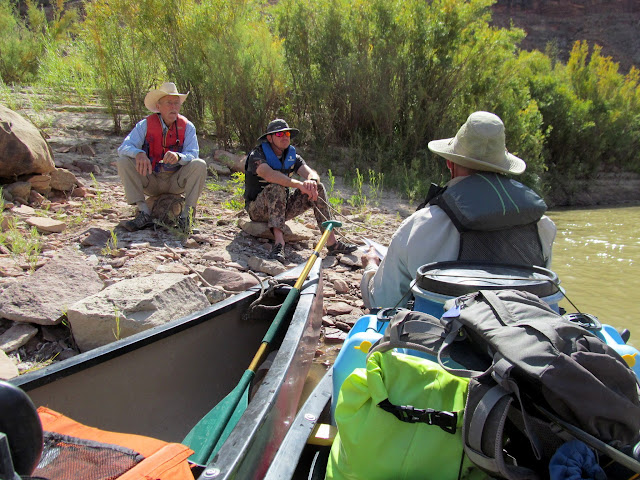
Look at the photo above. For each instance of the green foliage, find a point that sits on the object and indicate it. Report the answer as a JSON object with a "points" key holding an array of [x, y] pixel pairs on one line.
{"points": [[21, 47], [591, 115], [236, 187], [111, 247], [221, 52], [385, 76], [121, 56], [358, 200], [370, 80], [334, 198], [31, 42], [24, 245]]}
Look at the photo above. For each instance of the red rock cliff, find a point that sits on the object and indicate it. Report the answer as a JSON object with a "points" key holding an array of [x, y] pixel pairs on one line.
{"points": [[612, 24]]}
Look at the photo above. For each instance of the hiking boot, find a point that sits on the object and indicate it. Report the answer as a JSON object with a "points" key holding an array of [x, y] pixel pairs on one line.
{"points": [[277, 252], [142, 220], [341, 247]]}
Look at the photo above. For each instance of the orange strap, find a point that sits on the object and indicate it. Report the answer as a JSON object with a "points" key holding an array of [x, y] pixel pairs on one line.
{"points": [[163, 460]]}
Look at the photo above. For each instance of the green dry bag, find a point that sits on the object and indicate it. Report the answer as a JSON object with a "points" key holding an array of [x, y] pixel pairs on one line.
{"points": [[374, 444]]}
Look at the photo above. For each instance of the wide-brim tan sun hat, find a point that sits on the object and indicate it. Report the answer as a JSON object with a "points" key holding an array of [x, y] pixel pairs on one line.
{"points": [[167, 88], [278, 125], [480, 145]]}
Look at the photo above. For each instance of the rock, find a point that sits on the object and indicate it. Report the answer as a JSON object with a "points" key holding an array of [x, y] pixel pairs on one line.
{"points": [[17, 335], [229, 279], [23, 210], [23, 149], [172, 267], [214, 295], [339, 308], [234, 162], [351, 260], [46, 225], [293, 232], [40, 183], [9, 268], [79, 192], [270, 267], [95, 237], [217, 256], [349, 319], [19, 191], [87, 167], [334, 335], [218, 170], [132, 306], [44, 296], [7, 368], [345, 327], [328, 321], [329, 261], [84, 149], [63, 180], [35, 198], [340, 286]]}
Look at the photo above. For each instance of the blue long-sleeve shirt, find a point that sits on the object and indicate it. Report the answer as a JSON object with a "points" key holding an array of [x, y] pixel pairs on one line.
{"points": [[132, 144]]}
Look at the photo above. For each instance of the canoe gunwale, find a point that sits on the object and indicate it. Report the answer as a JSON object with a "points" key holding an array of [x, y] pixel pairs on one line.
{"points": [[285, 462], [255, 440]]}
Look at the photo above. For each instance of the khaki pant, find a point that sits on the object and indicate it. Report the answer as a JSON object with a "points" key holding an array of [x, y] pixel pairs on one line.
{"points": [[188, 179], [275, 205]]}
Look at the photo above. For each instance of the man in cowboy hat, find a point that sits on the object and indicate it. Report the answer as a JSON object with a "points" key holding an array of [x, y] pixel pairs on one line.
{"points": [[160, 155], [480, 215], [268, 180]]}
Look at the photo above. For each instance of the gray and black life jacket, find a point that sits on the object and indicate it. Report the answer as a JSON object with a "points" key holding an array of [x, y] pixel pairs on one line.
{"points": [[496, 217]]}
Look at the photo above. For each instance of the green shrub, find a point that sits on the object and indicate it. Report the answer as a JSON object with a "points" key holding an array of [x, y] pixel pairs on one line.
{"points": [[20, 47]]}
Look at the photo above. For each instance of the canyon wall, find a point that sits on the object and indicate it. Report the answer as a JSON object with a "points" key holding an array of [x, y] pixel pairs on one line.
{"points": [[612, 24]]}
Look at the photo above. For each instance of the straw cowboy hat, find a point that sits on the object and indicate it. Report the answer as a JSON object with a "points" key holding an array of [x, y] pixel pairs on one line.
{"points": [[279, 125], [167, 88], [480, 145]]}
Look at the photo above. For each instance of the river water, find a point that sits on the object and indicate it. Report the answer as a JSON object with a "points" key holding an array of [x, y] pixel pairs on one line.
{"points": [[596, 256]]}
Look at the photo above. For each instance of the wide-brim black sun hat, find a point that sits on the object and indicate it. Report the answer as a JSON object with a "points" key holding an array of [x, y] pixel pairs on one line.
{"points": [[279, 125]]}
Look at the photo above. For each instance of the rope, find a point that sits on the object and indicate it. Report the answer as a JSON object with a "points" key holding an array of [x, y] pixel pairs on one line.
{"points": [[335, 212], [269, 292]]}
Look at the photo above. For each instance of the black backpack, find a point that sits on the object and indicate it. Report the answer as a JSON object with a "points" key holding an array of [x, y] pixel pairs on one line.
{"points": [[537, 380]]}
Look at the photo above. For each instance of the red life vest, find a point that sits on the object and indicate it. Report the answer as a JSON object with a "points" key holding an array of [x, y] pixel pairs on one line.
{"points": [[157, 145]]}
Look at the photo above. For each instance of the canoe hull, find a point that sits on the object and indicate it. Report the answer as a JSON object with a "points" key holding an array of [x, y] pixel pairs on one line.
{"points": [[159, 383]]}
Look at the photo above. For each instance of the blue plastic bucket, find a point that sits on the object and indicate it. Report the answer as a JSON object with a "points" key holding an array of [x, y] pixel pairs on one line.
{"points": [[628, 353], [353, 354], [440, 281]]}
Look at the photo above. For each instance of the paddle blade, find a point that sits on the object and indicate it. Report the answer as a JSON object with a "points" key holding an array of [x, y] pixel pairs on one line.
{"points": [[208, 435]]}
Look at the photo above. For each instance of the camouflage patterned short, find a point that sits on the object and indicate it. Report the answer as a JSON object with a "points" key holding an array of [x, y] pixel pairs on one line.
{"points": [[276, 204]]}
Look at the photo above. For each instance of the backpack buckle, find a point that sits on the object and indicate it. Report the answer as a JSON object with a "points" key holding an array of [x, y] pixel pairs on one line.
{"points": [[447, 421]]}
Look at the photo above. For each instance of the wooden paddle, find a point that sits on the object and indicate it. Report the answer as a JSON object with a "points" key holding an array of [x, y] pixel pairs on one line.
{"points": [[206, 438]]}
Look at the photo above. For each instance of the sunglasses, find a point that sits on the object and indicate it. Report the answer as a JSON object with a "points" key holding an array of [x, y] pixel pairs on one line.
{"points": [[282, 134]]}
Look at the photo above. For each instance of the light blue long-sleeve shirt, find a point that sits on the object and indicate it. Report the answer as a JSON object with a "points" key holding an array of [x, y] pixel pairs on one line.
{"points": [[132, 144]]}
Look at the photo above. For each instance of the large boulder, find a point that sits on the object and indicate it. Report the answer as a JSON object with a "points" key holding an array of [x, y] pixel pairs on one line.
{"points": [[43, 296], [23, 149], [132, 306]]}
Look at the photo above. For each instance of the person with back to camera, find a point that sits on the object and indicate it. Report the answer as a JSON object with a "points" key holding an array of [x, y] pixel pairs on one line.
{"points": [[480, 215], [159, 156], [268, 182]]}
